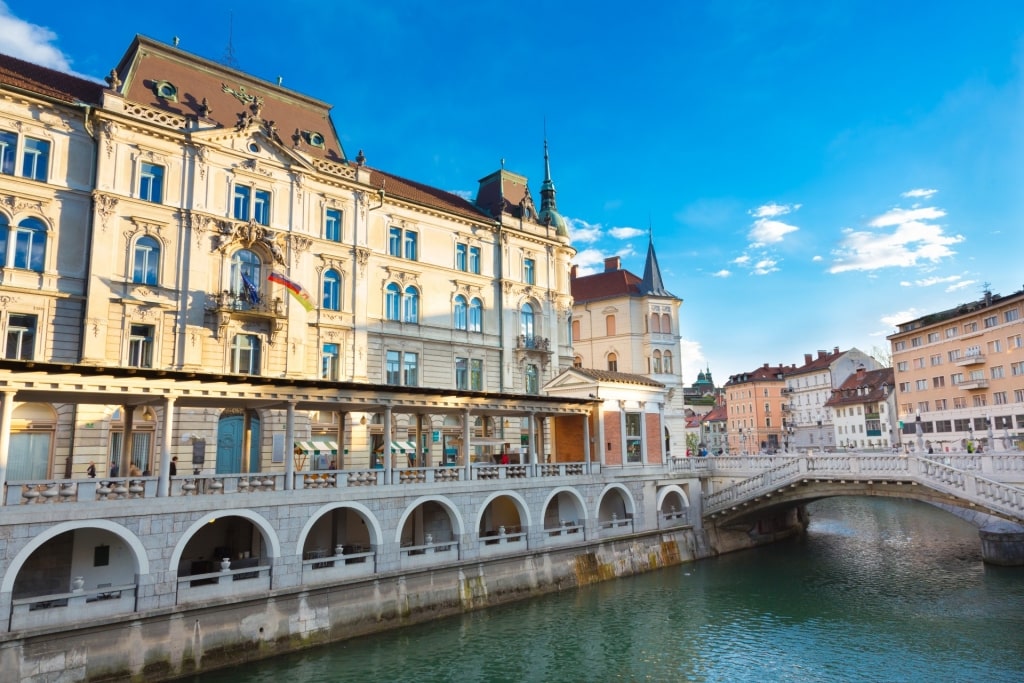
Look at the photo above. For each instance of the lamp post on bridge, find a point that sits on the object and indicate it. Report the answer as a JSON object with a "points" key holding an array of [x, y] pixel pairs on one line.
{"points": [[743, 442], [991, 437], [920, 432], [821, 438], [787, 435]]}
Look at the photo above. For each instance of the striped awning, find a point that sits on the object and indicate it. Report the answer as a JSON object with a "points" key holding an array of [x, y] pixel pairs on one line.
{"points": [[403, 447], [318, 447]]}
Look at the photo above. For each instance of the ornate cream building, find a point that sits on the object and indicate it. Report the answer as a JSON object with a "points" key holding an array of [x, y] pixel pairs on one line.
{"points": [[189, 223]]}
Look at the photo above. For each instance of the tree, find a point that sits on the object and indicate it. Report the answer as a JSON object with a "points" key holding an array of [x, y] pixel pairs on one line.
{"points": [[692, 442]]}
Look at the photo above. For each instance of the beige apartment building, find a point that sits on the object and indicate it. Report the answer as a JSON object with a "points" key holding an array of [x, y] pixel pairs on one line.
{"points": [[959, 376]]}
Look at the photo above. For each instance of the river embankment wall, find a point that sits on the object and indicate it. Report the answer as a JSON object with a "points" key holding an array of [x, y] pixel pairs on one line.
{"points": [[164, 645]]}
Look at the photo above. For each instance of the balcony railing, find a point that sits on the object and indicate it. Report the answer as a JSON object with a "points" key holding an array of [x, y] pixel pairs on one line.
{"points": [[973, 384], [972, 359], [533, 343]]}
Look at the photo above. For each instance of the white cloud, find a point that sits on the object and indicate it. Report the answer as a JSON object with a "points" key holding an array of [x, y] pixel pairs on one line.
{"points": [[626, 233], [771, 210], [767, 231], [765, 266], [816, 259], [691, 359], [920, 192], [582, 232], [929, 281], [588, 260], [30, 42], [913, 241], [895, 319], [741, 260], [722, 273], [960, 285]]}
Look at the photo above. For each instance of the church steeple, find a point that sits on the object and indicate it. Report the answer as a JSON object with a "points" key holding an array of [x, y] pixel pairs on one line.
{"points": [[652, 283], [548, 210]]}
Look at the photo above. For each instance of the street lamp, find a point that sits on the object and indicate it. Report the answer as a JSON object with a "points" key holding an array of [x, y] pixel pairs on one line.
{"points": [[991, 437], [821, 438], [743, 442], [919, 430]]}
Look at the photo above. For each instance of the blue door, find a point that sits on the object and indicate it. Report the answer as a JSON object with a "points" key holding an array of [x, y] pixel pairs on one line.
{"points": [[229, 445]]}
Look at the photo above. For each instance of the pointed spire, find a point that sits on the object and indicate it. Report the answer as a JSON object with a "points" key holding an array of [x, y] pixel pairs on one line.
{"points": [[652, 284], [548, 210]]}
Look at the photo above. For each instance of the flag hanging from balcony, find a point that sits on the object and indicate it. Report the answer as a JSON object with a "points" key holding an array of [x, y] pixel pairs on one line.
{"points": [[251, 293], [294, 288]]}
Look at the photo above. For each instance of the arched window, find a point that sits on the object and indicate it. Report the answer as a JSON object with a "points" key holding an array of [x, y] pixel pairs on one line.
{"points": [[332, 291], [613, 362], [526, 323], [460, 312], [146, 261], [5, 227], [476, 315], [246, 278], [655, 323], [393, 302], [577, 362], [666, 361], [30, 245], [657, 361], [666, 323], [575, 330], [609, 325], [411, 305]]}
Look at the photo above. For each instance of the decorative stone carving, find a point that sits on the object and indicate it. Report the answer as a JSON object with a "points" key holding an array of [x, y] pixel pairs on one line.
{"points": [[113, 81], [105, 205], [18, 204], [362, 256]]}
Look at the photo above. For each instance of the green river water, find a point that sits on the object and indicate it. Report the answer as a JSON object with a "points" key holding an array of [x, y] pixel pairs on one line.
{"points": [[878, 590]]}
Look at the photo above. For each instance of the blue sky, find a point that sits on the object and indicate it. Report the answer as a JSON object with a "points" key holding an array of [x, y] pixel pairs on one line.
{"points": [[814, 173]]}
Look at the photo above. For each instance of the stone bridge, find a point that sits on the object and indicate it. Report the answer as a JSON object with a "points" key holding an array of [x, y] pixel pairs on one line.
{"points": [[992, 484]]}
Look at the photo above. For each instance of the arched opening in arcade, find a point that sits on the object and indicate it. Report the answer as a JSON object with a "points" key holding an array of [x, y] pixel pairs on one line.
{"points": [[430, 533], [340, 544], [502, 525], [673, 507], [86, 572], [564, 517], [615, 511], [225, 555]]}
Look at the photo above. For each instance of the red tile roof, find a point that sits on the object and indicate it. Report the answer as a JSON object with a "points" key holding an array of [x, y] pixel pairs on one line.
{"points": [[605, 285], [46, 82], [874, 386], [402, 188]]}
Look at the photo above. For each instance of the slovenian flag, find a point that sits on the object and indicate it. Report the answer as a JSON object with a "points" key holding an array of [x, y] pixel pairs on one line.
{"points": [[296, 290]]}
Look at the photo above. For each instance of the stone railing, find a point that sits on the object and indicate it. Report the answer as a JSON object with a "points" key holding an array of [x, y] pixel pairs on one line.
{"points": [[79, 603]]}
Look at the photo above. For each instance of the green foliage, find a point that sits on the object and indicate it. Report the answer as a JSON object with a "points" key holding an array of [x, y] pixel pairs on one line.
{"points": [[692, 442]]}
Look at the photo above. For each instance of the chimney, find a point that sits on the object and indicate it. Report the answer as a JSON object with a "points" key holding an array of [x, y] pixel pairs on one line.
{"points": [[572, 272], [860, 371], [822, 354], [612, 263], [807, 359], [836, 350]]}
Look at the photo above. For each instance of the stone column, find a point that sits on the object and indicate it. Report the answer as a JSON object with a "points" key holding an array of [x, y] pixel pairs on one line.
{"points": [[586, 442], [622, 432], [164, 483], [386, 454], [289, 446], [467, 431], [6, 415], [643, 432]]}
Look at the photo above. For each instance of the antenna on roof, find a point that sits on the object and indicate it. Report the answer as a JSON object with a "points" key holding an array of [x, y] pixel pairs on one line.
{"points": [[229, 53]]}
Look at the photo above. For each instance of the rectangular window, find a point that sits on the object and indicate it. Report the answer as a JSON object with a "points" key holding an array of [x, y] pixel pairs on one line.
{"points": [[970, 327], [940, 404], [474, 260], [933, 337], [410, 369], [905, 387], [261, 207], [245, 354], [461, 256], [1018, 396], [936, 359], [978, 401], [330, 363], [395, 242], [8, 148], [393, 370], [999, 398], [21, 336], [954, 355], [901, 366], [998, 372], [35, 159], [919, 363], [900, 345], [529, 271], [140, 346], [1014, 342], [938, 382], [922, 385], [1017, 369], [532, 380], [915, 342], [240, 204], [950, 332], [151, 183], [410, 245], [476, 374], [634, 442], [956, 378], [922, 407], [332, 225], [461, 373], [29, 455], [959, 402], [991, 321], [1011, 315], [977, 374], [995, 346]]}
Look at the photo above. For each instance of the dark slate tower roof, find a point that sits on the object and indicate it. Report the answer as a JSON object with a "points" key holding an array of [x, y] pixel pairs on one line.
{"points": [[651, 284], [548, 210]]}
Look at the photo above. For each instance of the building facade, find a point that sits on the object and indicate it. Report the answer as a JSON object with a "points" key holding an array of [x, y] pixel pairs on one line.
{"points": [[629, 324], [959, 376], [189, 218], [810, 422], [754, 403], [865, 412]]}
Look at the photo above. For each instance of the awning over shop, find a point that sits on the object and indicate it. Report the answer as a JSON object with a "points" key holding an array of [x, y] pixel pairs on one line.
{"points": [[317, 447], [402, 447]]}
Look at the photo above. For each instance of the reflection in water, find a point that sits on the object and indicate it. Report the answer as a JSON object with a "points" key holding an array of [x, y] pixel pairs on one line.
{"points": [[879, 590]]}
